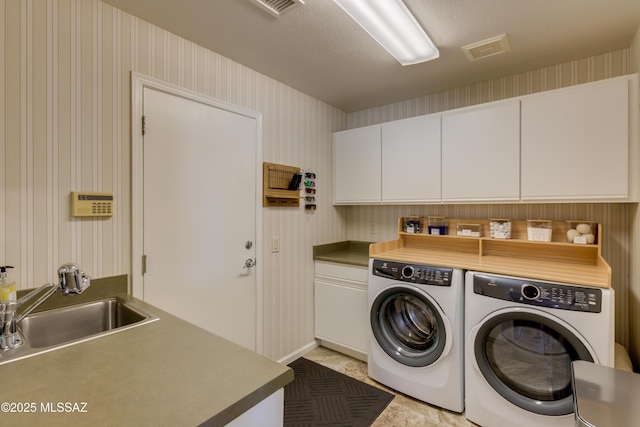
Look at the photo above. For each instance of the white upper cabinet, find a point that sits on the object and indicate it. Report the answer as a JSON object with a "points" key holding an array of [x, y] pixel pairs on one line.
{"points": [[481, 153], [356, 166], [411, 160], [579, 144], [575, 143]]}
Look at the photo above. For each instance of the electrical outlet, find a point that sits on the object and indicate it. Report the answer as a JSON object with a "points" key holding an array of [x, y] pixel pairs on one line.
{"points": [[275, 244], [372, 228]]}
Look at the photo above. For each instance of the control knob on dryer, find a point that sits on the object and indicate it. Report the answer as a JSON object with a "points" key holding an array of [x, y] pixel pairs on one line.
{"points": [[407, 272], [529, 291]]}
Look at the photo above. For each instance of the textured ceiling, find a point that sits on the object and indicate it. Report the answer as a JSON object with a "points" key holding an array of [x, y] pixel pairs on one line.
{"points": [[318, 50]]}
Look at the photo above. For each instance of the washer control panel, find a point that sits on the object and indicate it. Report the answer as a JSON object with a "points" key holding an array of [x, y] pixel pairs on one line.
{"points": [[541, 294], [413, 273]]}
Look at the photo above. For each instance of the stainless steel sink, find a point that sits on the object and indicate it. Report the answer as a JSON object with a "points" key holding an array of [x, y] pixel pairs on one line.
{"points": [[66, 324], [57, 328]]}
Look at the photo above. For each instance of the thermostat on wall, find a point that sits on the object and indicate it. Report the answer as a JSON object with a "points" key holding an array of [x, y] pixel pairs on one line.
{"points": [[91, 203]]}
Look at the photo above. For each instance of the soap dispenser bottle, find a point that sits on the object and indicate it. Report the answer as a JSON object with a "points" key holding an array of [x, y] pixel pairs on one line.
{"points": [[7, 287]]}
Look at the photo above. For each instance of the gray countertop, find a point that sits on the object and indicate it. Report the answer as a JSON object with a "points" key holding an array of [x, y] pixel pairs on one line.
{"points": [[167, 372], [348, 252]]}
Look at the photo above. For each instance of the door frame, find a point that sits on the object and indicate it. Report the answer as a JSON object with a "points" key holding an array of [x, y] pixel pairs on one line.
{"points": [[138, 83]]}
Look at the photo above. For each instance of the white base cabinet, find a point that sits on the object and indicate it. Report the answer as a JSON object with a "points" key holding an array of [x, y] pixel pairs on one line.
{"points": [[341, 308], [268, 413]]}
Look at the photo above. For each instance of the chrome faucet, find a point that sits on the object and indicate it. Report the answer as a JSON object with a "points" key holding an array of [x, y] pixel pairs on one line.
{"points": [[72, 281]]}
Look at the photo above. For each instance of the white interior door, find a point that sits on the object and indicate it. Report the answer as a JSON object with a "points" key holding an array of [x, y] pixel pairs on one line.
{"points": [[199, 214]]}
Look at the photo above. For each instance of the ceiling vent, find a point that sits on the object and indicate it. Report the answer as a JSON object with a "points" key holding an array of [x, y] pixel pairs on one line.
{"points": [[488, 47], [277, 7]]}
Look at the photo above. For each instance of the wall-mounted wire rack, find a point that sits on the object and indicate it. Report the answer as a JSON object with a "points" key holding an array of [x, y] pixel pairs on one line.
{"points": [[280, 185]]}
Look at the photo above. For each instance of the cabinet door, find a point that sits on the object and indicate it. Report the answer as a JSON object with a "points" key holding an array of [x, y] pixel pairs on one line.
{"points": [[356, 166], [342, 314], [411, 160], [481, 153], [575, 143]]}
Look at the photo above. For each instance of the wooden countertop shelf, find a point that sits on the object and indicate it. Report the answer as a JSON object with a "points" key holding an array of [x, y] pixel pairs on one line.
{"points": [[555, 261]]}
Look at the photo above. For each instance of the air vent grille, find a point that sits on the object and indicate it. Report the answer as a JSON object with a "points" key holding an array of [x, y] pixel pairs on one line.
{"points": [[488, 47], [277, 7]]}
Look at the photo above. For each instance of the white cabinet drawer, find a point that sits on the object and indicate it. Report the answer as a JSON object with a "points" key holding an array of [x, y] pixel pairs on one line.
{"points": [[342, 272]]}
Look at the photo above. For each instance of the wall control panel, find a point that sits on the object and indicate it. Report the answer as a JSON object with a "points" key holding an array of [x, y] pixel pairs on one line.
{"points": [[88, 203]]}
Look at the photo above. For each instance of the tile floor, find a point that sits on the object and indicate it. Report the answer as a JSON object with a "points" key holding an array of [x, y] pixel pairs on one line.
{"points": [[403, 410]]}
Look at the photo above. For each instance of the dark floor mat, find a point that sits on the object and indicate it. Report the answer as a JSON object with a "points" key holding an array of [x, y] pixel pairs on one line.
{"points": [[319, 396]]}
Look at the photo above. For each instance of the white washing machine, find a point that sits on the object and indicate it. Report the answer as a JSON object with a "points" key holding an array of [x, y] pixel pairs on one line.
{"points": [[521, 337], [416, 335]]}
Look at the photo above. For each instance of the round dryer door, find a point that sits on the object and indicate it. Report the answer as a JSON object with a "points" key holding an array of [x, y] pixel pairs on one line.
{"points": [[526, 357], [409, 326]]}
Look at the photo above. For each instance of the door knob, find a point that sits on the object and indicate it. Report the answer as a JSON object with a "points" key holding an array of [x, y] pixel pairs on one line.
{"points": [[249, 263]]}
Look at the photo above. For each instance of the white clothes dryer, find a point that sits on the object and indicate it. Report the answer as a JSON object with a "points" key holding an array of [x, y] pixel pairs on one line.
{"points": [[416, 335], [521, 337]]}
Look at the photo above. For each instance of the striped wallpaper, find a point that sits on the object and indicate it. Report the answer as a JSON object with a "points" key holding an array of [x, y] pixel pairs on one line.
{"points": [[65, 117]]}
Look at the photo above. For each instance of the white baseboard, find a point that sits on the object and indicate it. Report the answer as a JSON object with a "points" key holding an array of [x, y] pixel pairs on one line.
{"points": [[299, 353], [345, 349]]}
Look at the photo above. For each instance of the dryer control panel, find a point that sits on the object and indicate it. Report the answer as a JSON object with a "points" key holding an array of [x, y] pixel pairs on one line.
{"points": [[413, 273], [541, 294]]}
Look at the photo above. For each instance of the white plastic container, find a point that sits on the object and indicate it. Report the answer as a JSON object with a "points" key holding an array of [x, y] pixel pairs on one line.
{"points": [[539, 230], [471, 230], [582, 232], [499, 228]]}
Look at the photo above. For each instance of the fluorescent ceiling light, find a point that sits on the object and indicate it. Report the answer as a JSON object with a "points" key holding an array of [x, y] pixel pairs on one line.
{"points": [[391, 24]]}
